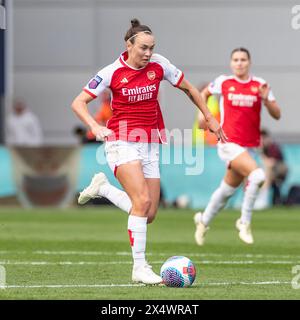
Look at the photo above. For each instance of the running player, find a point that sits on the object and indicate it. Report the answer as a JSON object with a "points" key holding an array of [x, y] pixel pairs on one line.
{"points": [[241, 98], [133, 135]]}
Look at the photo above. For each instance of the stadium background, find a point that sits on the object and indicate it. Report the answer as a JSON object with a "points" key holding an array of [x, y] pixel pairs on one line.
{"points": [[58, 45], [54, 47]]}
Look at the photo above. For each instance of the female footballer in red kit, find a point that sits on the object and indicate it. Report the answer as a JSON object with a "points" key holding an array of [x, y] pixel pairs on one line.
{"points": [[133, 134], [241, 98]]}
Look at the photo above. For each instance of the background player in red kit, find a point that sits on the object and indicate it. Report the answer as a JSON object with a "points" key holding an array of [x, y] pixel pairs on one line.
{"points": [[241, 98], [133, 135]]}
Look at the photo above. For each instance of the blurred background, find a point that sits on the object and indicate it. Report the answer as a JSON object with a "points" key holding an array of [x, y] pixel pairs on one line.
{"points": [[49, 49]]}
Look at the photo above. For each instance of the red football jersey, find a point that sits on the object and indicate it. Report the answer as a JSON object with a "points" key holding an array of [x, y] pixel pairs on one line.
{"points": [[136, 115], [240, 108]]}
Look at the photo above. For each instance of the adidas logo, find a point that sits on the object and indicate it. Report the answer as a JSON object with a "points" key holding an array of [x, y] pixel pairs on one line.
{"points": [[124, 80], [231, 89]]}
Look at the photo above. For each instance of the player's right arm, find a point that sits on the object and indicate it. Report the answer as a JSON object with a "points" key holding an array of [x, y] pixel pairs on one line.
{"points": [[79, 106], [92, 90]]}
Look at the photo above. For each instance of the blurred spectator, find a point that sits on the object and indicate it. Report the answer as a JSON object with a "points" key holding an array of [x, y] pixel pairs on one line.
{"points": [[275, 167], [23, 127]]}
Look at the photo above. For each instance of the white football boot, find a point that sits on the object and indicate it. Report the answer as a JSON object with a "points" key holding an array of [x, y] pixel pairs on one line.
{"points": [[92, 191], [245, 233], [145, 275], [201, 229]]}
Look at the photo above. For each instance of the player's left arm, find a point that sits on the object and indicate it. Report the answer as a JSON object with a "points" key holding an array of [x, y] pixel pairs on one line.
{"points": [[194, 94], [271, 105]]}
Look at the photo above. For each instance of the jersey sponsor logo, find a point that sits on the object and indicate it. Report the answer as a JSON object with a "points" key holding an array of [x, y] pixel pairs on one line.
{"points": [[242, 100], [254, 89], [151, 75], [124, 80], [138, 90], [139, 93], [94, 83]]}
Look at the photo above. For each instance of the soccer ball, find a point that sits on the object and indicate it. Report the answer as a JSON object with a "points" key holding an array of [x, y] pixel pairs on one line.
{"points": [[178, 271]]}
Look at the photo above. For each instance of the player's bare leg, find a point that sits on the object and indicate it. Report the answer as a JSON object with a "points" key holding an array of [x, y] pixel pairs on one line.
{"points": [[154, 191], [139, 194]]}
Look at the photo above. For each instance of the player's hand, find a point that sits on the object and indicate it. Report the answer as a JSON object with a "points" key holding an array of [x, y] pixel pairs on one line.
{"points": [[214, 126], [264, 90], [202, 124], [101, 132]]}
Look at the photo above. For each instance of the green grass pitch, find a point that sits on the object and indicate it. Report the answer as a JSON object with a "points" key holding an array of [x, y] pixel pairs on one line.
{"points": [[84, 253]]}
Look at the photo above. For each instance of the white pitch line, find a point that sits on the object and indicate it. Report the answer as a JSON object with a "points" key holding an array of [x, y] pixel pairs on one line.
{"points": [[245, 283], [141, 285], [74, 286], [246, 262], [49, 263], [98, 253], [127, 253]]}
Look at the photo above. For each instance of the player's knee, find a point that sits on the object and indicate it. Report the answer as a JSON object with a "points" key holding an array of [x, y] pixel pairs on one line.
{"points": [[257, 176], [147, 203], [143, 204]]}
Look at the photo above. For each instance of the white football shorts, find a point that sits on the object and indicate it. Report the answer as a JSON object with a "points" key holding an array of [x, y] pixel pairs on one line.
{"points": [[229, 151], [120, 152]]}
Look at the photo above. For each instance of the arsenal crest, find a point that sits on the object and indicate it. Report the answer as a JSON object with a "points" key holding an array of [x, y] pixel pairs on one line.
{"points": [[254, 89], [151, 75]]}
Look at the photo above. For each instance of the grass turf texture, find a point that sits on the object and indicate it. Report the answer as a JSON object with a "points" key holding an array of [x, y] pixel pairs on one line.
{"points": [[85, 254]]}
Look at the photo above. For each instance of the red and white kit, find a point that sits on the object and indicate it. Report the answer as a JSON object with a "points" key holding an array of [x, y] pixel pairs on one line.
{"points": [[240, 108], [137, 120], [135, 97]]}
